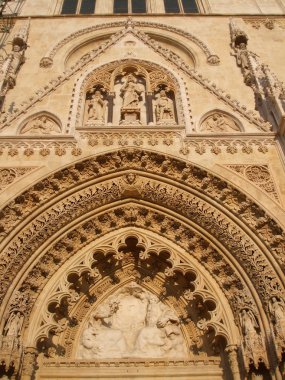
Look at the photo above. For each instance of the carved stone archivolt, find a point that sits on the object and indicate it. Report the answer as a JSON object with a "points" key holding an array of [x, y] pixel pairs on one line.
{"points": [[134, 175]]}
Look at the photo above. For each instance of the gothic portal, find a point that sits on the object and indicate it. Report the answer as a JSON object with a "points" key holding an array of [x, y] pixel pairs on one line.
{"points": [[142, 188]]}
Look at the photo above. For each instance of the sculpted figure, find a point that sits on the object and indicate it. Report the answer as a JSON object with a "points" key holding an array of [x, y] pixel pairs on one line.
{"points": [[277, 311], [41, 126], [14, 324], [133, 323], [164, 108], [217, 122], [100, 339], [97, 107], [131, 91], [250, 327], [242, 56]]}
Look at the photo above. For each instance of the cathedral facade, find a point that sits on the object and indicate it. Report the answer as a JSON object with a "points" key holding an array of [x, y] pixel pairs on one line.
{"points": [[142, 188]]}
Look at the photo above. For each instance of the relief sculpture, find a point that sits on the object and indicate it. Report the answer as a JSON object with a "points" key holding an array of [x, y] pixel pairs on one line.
{"points": [[217, 122], [132, 323], [96, 109], [164, 109]]}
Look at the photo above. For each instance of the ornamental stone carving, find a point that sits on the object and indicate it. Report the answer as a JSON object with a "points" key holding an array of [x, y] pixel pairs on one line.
{"points": [[277, 313], [131, 92], [96, 107], [41, 125], [219, 122], [164, 109], [252, 340], [11, 65], [132, 323]]}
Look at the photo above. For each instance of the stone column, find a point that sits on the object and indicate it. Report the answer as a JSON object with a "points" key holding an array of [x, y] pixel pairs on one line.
{"points": [[149, 108], [29, 363], [110, 99], [232, 351]]}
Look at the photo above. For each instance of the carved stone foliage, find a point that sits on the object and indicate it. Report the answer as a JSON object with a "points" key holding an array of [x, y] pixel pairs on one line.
{"points": [[248, 212], [32, 146], [173, 59], [260, 175], [9, 175], [187, 145], [218, 122], [41, 125], [269, 23]]}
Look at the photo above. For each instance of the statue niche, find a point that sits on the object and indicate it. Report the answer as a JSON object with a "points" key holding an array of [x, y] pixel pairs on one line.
{"points": [[96, 106], [132, 323]]}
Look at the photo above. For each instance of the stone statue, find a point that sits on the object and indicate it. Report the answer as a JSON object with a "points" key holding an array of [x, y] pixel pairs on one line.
{"points": [[164, 109], [97, 108], [249, 325], [218, 122], [132, 323], [242, 57], [42, 125], [277, 311], [14, 324], [131, 91]]}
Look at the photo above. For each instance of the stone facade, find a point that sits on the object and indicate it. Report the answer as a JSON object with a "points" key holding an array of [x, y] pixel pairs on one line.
{"points": [[142, 188]]}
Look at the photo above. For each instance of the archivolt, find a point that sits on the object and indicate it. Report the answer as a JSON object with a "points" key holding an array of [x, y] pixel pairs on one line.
{"points": [[182, 198], [211, 58]]}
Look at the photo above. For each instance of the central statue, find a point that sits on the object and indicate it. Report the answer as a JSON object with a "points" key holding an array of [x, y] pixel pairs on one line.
{"points": [[131, 92]]}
